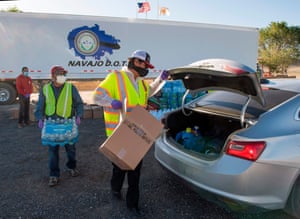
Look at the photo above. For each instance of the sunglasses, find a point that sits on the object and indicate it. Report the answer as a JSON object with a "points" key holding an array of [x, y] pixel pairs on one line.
{"points": [[140, 61]]}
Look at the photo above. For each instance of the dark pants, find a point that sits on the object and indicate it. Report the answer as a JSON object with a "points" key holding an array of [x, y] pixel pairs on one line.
{"points": [[133, 178], [24, 109], [53, 152]]}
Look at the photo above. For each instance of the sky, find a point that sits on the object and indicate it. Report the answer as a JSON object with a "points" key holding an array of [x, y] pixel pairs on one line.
{"points": [[249, 13]]}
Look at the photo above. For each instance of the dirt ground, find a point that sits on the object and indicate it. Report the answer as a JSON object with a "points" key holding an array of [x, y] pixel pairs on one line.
{"points": [[24, 177]]}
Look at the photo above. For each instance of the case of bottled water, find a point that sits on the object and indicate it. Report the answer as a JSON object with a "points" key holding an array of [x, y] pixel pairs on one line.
{"points": [[59, 132]]}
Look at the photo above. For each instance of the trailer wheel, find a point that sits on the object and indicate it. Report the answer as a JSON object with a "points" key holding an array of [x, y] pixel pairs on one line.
{"points": [[8, 93]]}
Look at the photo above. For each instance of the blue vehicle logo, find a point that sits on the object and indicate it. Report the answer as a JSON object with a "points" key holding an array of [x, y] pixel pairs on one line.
{"points": [[92, 42]]}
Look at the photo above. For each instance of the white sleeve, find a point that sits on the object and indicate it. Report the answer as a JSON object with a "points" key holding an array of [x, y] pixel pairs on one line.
{"points": [[156, 85], [101, 97]]}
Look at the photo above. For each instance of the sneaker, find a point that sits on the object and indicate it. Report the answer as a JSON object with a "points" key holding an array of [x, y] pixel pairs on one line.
{"points": [[53, 181], [20, 125], [74, 172]]}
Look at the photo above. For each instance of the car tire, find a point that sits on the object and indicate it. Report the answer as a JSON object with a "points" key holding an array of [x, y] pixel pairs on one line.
{"points": [[293, 204]]}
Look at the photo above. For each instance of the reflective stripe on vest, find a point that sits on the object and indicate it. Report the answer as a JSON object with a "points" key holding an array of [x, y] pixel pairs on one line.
{"points": [[125, 90], [63, 105]]}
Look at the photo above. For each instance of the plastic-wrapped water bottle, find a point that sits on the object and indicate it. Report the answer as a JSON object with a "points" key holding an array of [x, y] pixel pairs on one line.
{"points": [[185, 138], [155, 113], [43, 136]]}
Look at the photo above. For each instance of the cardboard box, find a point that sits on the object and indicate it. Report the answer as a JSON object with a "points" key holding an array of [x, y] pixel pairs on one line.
{"points": [[87, 113], [132, 139], [14, 113], [97, 111], [31, 112]]}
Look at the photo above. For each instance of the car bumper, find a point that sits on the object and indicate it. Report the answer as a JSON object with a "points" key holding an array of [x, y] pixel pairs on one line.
{"points": [[252, 183]]}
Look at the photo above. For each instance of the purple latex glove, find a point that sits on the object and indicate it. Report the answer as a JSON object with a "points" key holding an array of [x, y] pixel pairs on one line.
{"points": [[77, 120], [116, 104], [27, 95], [164, 75], [40, 124]]}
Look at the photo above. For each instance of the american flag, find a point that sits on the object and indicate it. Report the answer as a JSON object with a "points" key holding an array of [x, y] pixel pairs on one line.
{"points": [[143, 7]]}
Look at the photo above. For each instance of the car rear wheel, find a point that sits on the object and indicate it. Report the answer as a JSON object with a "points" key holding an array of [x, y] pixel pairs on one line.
{"points": [[293, 204]]}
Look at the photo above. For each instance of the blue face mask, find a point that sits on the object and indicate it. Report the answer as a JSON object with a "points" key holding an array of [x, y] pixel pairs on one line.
{"points": [[25, 73]]}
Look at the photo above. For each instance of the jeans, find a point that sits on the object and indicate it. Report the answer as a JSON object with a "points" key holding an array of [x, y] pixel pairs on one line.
{"points": [[53, 152]]}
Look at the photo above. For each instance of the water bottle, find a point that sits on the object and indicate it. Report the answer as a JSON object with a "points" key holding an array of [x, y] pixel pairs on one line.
{"points": [[69, 135], [196, 131], [43, 136], [185, 138]]}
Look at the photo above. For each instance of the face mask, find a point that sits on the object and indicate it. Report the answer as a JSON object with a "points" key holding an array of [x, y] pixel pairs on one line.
{"points": [[60, 79], [25, 73], [141, 71]]}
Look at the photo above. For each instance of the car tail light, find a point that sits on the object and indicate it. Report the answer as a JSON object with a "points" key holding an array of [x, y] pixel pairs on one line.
{"points": [[246, 150]]}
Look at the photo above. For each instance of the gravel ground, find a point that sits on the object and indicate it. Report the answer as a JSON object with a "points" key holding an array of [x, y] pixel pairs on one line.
{"points": [[25, 193]]}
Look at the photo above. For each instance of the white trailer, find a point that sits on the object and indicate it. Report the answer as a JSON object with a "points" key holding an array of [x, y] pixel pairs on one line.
{"points": [[91, 46]]}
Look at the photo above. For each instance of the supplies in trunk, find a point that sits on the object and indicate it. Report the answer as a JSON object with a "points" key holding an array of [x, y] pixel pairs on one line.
{"points": [[192, 139]]}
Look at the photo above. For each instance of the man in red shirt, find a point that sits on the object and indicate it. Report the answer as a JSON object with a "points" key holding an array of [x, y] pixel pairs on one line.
{"points": [[24, 88]]}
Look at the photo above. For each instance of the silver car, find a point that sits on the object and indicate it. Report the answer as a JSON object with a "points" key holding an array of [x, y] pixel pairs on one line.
{"points": [[242, 139]]}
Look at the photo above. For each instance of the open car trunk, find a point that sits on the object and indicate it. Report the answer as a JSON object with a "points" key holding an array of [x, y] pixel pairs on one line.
{"points": [[214, 127], [213, 132], [217, 122]]}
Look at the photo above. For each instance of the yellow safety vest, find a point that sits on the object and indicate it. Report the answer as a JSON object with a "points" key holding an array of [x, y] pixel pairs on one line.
{"points": [[63, 105], [118, 86]]}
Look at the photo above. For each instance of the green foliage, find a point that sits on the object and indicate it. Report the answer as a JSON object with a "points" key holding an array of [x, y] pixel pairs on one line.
{"points": [[279, 46], [12, 9]]}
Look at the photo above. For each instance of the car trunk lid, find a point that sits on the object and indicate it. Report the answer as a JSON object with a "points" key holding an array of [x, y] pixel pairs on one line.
{"points": [[220, 74]]}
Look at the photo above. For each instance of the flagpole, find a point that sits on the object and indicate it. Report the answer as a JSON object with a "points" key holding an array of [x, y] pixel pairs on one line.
{"points": [[157, 9], [146, 13], [136, 11]]}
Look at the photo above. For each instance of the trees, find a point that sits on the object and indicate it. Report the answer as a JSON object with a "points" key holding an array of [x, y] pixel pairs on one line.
{"points": [[279, 46], [12, 9]]}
